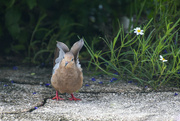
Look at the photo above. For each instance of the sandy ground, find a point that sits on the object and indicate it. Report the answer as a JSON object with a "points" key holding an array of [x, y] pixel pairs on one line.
{"points": [[26, 96]]}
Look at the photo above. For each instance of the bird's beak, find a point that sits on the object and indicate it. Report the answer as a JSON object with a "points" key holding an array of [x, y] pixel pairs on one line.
{"points": [[66, 64]]}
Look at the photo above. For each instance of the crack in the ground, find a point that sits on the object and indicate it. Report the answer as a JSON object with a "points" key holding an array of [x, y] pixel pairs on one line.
{"points": [[40, 105], [29, 110], [45, 101]]}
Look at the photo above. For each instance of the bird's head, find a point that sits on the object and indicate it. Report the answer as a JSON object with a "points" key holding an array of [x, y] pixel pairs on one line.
{"points": [[68, 60]]}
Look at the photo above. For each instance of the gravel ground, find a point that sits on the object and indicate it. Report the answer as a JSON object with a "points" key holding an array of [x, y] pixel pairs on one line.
{"points": [[25, 95]]}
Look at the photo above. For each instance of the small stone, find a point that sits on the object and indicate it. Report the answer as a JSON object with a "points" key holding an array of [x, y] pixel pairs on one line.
{"points": [[93, 79], [129, 81], [114, 79], [32, 74], [15, 68], [87, 85], [111, 80], [175, 94], [47, 85]]}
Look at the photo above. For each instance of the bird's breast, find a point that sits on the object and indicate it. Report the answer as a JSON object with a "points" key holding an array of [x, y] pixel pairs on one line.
{"points": [[67, 80], [68, 74]]}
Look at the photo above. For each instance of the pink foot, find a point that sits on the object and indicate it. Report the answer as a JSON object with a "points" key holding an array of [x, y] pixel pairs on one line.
{"points": [[57, 97], [73, 98]]}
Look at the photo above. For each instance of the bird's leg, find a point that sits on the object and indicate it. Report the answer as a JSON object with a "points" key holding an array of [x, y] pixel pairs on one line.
{"points": [[57, 97], [73, 98]]}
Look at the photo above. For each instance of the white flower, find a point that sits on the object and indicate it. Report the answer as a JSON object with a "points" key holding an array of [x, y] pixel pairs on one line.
{"points": [[162, 59], [138, 31]]}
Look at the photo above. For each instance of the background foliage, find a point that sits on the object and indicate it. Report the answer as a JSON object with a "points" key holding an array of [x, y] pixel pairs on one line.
{"points": [[137, 58], [30, 28]]}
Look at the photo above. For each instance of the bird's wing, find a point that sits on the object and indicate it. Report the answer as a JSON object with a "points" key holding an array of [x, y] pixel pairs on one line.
{"points": [[75, 50], [60, 51]]}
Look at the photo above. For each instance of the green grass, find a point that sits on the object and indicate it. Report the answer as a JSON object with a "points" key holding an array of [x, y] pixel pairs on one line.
{"points": [[136, 57]]}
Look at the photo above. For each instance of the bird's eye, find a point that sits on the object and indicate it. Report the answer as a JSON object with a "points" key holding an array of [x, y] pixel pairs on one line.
{"points": [[72, 59]]}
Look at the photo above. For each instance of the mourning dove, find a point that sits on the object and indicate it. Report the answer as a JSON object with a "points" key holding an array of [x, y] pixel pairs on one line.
{"points": [[67, 74]]}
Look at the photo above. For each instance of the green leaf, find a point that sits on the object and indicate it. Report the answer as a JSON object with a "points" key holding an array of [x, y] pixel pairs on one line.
{"points": [[18, 47], [116, 38], [12, 16], [14, 30], [31, 3]]}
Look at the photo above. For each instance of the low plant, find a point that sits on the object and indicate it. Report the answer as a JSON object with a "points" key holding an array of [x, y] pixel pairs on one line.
{"points": [[148, 56]]}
